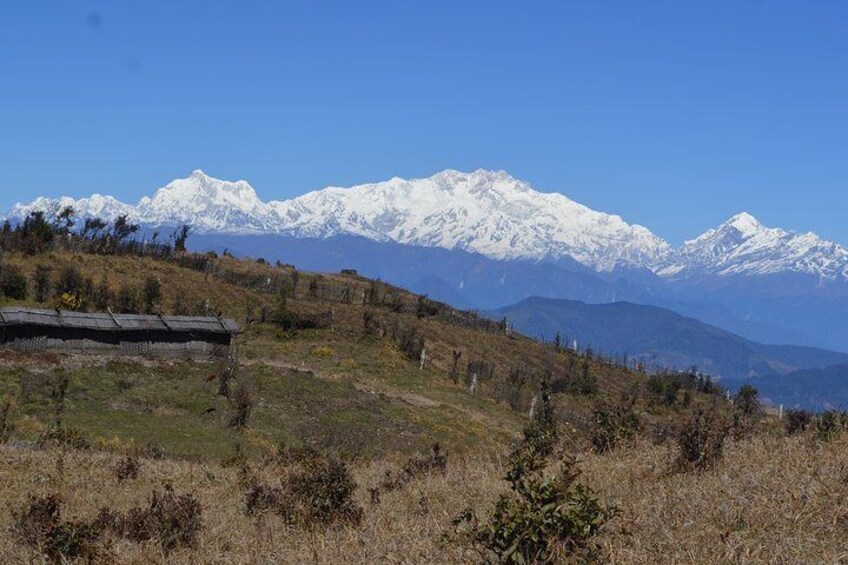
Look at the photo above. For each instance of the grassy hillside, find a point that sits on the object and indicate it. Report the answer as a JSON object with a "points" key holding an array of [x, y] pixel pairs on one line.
{"points": [[334, 387], [350, 389]]}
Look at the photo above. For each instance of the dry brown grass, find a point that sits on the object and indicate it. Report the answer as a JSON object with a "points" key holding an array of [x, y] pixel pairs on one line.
{"points": [[771, 499]]}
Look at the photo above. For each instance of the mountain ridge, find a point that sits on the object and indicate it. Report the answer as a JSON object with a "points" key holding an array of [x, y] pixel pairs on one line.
{"points": [[661, 338], [486, 212]]}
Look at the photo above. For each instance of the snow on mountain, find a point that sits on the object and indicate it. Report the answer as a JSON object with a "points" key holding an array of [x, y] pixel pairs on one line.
{"points": [[209, 205], [96, 205], [743, 246], [487, 212]]}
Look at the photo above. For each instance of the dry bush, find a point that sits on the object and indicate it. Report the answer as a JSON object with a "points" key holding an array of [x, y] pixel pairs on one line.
{"points": [[797, 421], [127, 468], [315, 490], [409, 340], [242, 402], [414, 468], [701, 442], [64, 436], [40, 526], [170, 519]]}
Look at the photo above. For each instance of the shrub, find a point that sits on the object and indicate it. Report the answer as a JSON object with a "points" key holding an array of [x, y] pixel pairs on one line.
{"points": [[409, 340], [613, 424], [127, 468], [797, 421], [70, 281], [701, 442], [415, 467], [663, 389], [315, 490], [746, 400], [39, 525], [64, 436], [128, 301], [180, 306], [484, 370], [370, 324], [5, 424], [425, 307], [830, 424], [544, 519], [325, 488], [170, 519], [282, 316], [435, 461], [242, 401], [586, 383], [41, 282], [540, 436], [151, 294], [453, 375], [13, 283], [103, 295], [262, 498]]}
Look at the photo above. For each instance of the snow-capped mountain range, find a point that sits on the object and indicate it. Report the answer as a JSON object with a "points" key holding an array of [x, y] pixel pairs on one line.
{"points": [[487, 212]]}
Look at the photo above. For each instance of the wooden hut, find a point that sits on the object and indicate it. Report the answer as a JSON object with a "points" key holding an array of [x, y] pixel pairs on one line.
{"points": [[33, 330]]}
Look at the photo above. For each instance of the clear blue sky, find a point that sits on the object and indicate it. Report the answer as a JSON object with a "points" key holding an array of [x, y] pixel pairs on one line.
{"points": [[673, 114]]}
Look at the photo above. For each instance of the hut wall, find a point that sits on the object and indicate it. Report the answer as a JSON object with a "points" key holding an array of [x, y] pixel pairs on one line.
{"points": [[196, 345]]}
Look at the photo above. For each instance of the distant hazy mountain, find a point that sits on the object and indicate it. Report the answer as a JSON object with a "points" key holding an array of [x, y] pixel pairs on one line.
{"points": [[507, 241], [812, 389], [662, 338]]}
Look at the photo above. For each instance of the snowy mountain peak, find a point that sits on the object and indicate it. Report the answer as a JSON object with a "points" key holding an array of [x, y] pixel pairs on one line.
{"points": [[744, 246], [483, 211], [208, 204], [744, 223]]}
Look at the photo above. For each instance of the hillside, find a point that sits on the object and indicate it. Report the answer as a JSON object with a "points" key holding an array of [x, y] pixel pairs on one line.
{"points": [[156, 434], [334, 387], [661, 338]]}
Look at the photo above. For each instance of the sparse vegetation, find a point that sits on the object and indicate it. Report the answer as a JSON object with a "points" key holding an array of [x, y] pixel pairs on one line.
{"points": [[366, 414]]}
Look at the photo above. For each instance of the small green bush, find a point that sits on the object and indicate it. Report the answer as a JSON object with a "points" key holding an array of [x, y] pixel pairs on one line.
{"points": [[747, 401], [613, 424], [830, 424], [544, 519]]}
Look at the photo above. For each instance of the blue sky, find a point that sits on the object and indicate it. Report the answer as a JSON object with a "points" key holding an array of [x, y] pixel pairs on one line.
{"points": [[673, 114]]}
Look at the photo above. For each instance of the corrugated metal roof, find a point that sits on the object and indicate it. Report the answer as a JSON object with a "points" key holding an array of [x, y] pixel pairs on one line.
{"points": [[115, 322], [140, 322], [195, 323], [99, 321]]}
